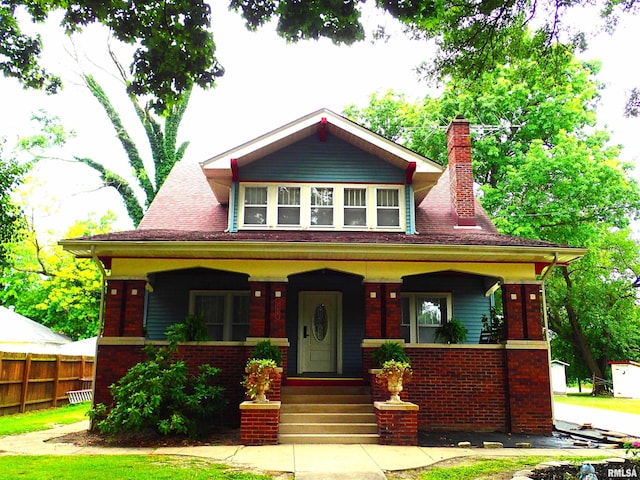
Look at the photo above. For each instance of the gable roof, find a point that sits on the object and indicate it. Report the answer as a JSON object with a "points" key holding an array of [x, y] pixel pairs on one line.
{"points": [[422, 172]]}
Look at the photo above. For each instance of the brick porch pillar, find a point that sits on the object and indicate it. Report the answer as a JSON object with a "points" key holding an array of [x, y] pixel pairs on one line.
{"points": [[522, 311], [392, 311], [258, 309], [277, 310], [373, 310], [124, 308]]}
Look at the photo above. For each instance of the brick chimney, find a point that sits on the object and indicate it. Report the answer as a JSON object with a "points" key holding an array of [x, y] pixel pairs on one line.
{"points": [[461, 172]]}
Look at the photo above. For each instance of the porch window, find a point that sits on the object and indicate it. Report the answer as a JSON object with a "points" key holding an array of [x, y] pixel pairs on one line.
{"points": [[388, 207], [255, 205], [355, 207], [226, 313], [321, 206], [288, 206], [422, 313]]}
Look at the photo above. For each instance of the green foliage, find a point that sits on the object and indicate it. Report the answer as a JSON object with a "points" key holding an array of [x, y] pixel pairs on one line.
{"points": [[546, 173], [452, 331], [389, 351], [493, 324], [394, 370], [161, 31], [265, 350], [160, 395], [50, 286], [11, 220], [192, 329]]}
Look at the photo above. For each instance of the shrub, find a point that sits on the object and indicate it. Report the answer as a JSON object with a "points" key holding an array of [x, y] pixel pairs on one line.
{"points": [[265, 350], [160, 395], [389, 351], [192, 329]]}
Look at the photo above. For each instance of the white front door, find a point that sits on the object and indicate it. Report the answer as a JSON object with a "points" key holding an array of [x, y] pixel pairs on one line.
{"points": [[320, 332]]}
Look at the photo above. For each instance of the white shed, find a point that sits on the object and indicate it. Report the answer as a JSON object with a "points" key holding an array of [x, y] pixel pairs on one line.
{"points": [[21, 334], [626, 379], [559, 377]]}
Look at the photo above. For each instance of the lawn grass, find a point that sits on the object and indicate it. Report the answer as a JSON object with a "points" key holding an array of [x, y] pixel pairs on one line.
{"points": [[606, 403], [482, 468], [118, 467], [43, 419]]}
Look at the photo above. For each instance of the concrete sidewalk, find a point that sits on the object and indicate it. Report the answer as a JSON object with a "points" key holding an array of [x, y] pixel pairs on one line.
{"points": [[307, 462], [601, 419]]}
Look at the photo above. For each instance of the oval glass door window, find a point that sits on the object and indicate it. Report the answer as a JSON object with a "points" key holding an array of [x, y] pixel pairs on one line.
{"points": [[320, 323]]}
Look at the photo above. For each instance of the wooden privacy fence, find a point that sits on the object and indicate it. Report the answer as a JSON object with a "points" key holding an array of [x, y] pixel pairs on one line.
{"points": [[31, 381]]}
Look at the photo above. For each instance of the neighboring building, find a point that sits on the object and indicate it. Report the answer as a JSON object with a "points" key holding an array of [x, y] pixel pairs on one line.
{"points": [[559, 377], [21, 334], [328, 239], [626, 379]]}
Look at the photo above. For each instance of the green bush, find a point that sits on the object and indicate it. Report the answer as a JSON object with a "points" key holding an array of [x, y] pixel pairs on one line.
{"points": [[265, 350], [192, 329], [389, 351], [160, 395]]}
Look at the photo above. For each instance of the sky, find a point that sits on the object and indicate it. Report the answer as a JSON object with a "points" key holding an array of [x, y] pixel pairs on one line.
{"points": [[267, 84]]}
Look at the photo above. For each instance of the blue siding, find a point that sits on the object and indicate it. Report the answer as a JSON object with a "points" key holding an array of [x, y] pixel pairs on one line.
{"points": [[311, 160], [469, 301], [233, 211], [169, 301], [410, 210]]}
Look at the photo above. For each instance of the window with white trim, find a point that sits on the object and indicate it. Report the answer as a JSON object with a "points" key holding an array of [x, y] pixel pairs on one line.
{"points": [[322, 206], [355, 207], [226, 313], [288, 205], [388, 207], [255, 205], [422, 314]]}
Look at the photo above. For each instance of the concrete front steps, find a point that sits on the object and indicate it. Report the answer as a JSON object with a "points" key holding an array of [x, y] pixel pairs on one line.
{"points": [[327, 414]]}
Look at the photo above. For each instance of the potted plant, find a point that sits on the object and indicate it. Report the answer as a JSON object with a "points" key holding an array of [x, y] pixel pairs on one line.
{"points": [[452, 331], [389, 351], [259, 374], [492, 327], [393, 375], [265, 350], [192, 329]]}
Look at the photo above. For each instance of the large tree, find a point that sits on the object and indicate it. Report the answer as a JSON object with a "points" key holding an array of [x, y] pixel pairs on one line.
{"points": [[545, 173], [11, 173], [175, 49], [52, 287]]}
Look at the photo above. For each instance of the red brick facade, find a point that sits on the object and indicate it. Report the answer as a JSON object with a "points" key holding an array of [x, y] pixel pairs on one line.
{"points": [[392, 313], [373, 310], [523, 315], [461, 172], [397, 427], [267, 316], [124, 308], [259, 426]]}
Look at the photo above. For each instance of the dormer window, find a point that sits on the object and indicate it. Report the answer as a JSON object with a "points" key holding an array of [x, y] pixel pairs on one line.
{"points": [[388, 211], [322, 207], [255, 205], [288, 205]]}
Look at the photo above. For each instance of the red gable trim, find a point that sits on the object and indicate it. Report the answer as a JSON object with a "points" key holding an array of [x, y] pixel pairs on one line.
{"points": [[235, 175], [411, 169]]}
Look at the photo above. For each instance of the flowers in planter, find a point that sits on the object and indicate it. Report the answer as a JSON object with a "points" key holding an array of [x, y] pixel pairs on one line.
{"points": [[393, 375], [633, 448], [259, 374]]}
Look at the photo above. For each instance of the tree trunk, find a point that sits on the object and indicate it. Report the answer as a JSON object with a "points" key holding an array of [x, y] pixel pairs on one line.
{"points": [[579, 339]]}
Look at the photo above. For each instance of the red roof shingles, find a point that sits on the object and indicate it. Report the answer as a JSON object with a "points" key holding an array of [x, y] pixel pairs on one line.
{"points": [[185, 210]]}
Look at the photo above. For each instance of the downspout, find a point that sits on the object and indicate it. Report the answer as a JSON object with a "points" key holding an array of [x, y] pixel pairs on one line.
{"points": [[103, 274], [104, 286], [546, 329]]}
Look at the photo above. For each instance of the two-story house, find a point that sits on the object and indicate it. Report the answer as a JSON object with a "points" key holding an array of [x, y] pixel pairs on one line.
{"points": [[327, 238]]}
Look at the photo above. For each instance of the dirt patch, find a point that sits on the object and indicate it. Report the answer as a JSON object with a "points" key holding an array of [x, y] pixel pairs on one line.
{"points": [[86, 438]]}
